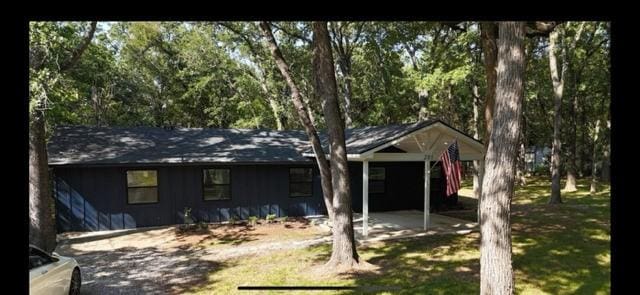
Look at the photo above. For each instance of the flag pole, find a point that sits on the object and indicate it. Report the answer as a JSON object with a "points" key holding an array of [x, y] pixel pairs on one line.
{"points": [[434, 164]]}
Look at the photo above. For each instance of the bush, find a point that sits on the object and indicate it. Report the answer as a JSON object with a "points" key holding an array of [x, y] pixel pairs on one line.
{"points": [[253, 220], [232, 220], [281, 219], [270, 217], [187, 215]]}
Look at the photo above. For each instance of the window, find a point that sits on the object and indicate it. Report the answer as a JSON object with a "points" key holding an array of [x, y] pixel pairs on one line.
{"points": [[216, 184], [377, 180], [38, 258], [300, 182], [142, 186]]}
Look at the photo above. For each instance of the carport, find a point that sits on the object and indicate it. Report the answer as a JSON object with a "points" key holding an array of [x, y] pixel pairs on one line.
{"points": [[421, 142]]}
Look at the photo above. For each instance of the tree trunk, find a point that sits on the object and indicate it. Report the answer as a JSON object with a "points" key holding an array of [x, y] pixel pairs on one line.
{"points": [[521, 165], [496, 272], [557, 79], [605, 177], [606, 172], [477, 180], [584, 150], [477, 165], [97, 108], [275, 108], [42, 232], [570, 185], [423, 99], [303, 115], [347, 99], [594, 160], [343, 254], [489, 35]]}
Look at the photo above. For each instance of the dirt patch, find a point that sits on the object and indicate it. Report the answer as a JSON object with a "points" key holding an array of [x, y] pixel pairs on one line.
{"points": [[173, 259]]}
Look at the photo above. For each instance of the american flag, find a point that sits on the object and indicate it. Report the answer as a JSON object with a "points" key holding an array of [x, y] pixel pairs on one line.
{"points": [[452, 168]]}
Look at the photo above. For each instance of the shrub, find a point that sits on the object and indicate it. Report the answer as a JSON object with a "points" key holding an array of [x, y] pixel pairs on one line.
{"points": [[253, 220], [232, 220], [187, 215], [281, 219], [270, 217]]}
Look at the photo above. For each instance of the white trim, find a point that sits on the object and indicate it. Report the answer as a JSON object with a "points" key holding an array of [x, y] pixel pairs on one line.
{"points": [[435, 141], [414, 157], [467, 139], [427, 190], [350, 157], [461, 136], [372, 155], [365, 197], [388, 144], [420, 146]]}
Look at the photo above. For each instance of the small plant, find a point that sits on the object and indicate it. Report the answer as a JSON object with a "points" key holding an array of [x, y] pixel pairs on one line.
{"points": [[253, 220], [187, 215], [270, 218], [203, 225], [232, 220]]}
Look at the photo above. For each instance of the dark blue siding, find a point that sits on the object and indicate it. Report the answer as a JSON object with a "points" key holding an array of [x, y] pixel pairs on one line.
{"points": [[95, 198], [404, 187]]}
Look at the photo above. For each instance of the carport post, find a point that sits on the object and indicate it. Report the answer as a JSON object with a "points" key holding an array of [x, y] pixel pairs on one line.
{"points": [[365, 197], [427, 190]]}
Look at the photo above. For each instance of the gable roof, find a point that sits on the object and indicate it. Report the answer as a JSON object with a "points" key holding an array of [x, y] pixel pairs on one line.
{"points": [[82, 145], [360, 140]]}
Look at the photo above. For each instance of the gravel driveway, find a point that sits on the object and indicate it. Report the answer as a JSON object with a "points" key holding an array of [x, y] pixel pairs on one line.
{"points": [[159, 261]]}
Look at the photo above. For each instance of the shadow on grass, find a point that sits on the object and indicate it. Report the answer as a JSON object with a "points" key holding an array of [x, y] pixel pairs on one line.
{"points": [[425, 265], [563, 249], [558, 249]]}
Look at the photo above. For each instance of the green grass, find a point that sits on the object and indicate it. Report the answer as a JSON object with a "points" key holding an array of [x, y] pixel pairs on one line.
{"points": [[558, 249]]}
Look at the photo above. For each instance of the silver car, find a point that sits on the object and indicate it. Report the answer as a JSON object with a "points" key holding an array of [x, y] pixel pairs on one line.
{"points": [[52, 274]]}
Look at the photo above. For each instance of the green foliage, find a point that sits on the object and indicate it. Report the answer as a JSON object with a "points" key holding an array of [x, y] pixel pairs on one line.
{"points": [[253, 220], [270, 218], [221, 75]]}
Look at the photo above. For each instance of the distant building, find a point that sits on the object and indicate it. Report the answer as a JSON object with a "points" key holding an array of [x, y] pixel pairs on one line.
{"points": [[536, 157]]}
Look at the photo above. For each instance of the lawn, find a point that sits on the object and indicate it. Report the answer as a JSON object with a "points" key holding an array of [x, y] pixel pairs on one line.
{"points": [[561, 249]]}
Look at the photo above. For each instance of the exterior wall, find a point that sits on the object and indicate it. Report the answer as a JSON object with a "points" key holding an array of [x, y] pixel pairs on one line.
{"points": [[404, 187], [95, 198]]}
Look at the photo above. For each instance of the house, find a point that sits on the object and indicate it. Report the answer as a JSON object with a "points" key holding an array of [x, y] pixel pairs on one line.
{"points": [[117, 178], [537, 157]]}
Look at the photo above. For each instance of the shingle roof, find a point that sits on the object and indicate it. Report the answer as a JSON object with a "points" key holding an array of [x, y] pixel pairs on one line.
{"points": [[111, 145], [360, 140], [82, 145]]}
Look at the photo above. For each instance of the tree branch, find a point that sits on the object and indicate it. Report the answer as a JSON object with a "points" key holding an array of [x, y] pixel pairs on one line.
{"points": [[542, 28], [292, 34], [75, 56], [454, 25]]}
